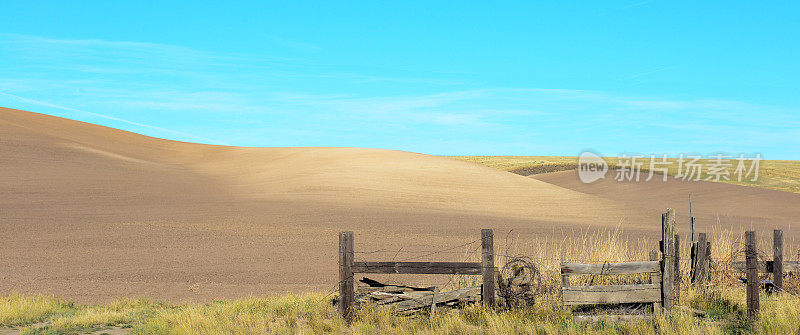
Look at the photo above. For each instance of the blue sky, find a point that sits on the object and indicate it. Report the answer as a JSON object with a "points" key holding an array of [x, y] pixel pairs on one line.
{"points": [[521, 78]]}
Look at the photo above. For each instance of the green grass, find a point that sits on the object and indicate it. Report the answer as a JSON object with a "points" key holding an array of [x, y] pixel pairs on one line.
{"points": [[313, 313], [46, 315], [773, 174]]}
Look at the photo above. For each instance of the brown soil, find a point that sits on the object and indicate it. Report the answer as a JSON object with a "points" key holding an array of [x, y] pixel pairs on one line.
{"points": [[93, 214]]}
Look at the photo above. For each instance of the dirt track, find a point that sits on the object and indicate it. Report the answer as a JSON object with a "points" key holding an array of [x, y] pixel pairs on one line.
{"points": [[94, 214]]}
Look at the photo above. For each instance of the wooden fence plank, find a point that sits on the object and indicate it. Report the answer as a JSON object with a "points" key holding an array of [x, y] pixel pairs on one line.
{"points": [[608, 318], [777, 260], [611, 294], [346, 285], [609, 268], [487, 266], [464, 268], [752, 273]]}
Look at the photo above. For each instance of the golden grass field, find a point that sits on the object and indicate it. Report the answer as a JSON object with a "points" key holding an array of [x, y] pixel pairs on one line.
{"points": [[781, 175], [723, 302]]}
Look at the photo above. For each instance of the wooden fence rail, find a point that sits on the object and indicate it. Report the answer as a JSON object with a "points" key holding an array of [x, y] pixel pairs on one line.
{"points": [[449, 268], [609, 268]]}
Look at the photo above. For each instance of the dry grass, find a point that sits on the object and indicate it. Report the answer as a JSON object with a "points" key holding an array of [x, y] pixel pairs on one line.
{"points": [[773, 174], [723, 301]]}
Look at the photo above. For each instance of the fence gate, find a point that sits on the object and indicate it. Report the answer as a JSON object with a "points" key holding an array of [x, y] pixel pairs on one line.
{"points": [[611, 294], [347, 267], [661, 290]]}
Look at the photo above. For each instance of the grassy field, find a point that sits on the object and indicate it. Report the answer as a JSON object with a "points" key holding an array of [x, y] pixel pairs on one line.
{"points": [[723, 303], [773, 174], [309, 314]]}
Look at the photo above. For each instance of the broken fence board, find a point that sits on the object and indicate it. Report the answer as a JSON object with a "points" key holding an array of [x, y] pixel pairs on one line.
{"points": [[609, 268], [389, 289], [383, 295], [611, 294], [463, 268], [388, 301], [428, 299], [610, 318]]}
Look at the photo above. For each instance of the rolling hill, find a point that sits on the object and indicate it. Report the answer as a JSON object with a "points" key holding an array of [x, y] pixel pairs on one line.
{"points": [[90, 213]]}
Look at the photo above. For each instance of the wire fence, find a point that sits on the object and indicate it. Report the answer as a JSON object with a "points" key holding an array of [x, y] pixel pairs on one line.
{"points": [[721, 265]]}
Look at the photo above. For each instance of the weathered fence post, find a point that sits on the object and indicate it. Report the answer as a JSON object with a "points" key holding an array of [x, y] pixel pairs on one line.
{"points": [[433, 303], [487, 266], [565, 282], [701, 262], [692, 261], [777, 260], [692, 251], [708, 262], [751, 262], [346, 289], [691, 220], [654, 279], [677, 288], [668, 253]]}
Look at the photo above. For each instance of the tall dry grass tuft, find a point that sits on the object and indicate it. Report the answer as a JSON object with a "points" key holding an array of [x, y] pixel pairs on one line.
{"points": [[16, 309], [548, 252]]}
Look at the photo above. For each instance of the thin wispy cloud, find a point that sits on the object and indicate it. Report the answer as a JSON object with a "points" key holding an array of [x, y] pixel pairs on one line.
{"points": [[637, 4], [125, 57], [628, 6], [259, 100], [112, 118], [646, 73]]}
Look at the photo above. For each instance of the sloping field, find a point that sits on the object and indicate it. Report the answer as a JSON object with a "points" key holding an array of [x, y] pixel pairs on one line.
{"points": [[781, 175], [715, 206], [93, 214]]}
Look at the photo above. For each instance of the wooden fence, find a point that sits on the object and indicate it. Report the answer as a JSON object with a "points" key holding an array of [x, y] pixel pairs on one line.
{"points": [[752, 266], [347, 267], [661, 290], [610, 294]]}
